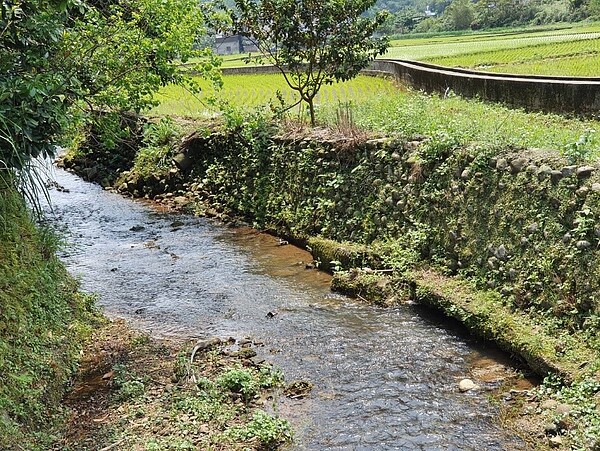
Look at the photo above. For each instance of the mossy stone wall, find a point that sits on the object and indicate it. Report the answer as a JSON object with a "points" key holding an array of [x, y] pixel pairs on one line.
{"points": [[524, 223]]}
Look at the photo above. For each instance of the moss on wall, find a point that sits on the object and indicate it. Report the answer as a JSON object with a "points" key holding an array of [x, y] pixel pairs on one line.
{"points": [[523, 223]]}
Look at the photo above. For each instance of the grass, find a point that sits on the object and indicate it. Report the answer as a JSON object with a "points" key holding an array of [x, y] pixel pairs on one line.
{"points": [[42, 321], [379, 105], [136, 392], [469, 122], [255, 90]]}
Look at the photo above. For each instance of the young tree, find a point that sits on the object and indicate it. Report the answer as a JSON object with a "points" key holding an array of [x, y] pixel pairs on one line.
{"points": [[313, 42]]}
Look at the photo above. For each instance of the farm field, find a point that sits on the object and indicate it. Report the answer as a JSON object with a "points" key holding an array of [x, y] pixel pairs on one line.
{"points": [[379, 105], [569, 52], [255, 90]]}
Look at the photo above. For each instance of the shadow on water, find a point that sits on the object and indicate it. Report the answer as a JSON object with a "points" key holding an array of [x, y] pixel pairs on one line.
{"points": [[384, 378]]}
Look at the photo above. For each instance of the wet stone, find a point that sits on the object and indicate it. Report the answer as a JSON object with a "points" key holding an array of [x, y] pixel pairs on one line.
{"points": [[298, 389]]}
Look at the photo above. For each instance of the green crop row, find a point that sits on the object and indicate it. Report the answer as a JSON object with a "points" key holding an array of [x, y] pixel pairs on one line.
{"points": [[565, 58], [431, 50]]}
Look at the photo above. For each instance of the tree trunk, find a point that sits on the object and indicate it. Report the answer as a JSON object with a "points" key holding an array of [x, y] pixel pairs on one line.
{"points": [[311, 108]]}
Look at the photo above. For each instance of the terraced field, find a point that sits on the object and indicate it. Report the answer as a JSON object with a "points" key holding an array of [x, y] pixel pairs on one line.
{"points": [[569, 52]]}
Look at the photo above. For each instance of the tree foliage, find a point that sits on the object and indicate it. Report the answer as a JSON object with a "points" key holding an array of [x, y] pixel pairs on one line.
{"points": [[32, 94], [66, 59], [313, 42]]}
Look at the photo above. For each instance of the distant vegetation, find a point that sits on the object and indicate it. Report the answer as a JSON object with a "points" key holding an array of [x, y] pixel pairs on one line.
{"points": [[447, 15]]}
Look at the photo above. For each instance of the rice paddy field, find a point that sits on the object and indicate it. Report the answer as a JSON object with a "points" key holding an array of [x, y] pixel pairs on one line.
{"points": [[255, 90], [573, 51], [382, 106], [570, 50]]}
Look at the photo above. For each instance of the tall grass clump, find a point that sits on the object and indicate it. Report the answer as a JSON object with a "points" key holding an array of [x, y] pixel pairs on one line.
{"points": [[42, 320]]}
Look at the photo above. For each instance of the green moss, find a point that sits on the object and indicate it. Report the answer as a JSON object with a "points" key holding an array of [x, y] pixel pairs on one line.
{"points": [[370, 286], [486, 315], [331, 254]]}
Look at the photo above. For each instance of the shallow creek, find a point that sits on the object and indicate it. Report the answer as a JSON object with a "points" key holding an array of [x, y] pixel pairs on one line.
{"points": [[384, 378]]}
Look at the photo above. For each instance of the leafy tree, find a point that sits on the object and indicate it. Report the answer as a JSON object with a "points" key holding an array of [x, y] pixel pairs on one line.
{"points": [[594, 8], [501, 13], [65, 59], [123, 51], [459, 15], [34, 97], [313, 42]]}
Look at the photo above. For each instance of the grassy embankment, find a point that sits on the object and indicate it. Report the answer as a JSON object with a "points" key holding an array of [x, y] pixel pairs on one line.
{"points": [[43, 321], [381, 106]]}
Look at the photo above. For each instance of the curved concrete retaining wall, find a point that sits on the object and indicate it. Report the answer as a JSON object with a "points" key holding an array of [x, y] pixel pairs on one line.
{"points": [[551, 94]]}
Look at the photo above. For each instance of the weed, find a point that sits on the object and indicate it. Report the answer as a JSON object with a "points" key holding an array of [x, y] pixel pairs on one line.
{"points": [[580, 150], [268, 430], [42, 323], [129, 390], [240, 380]]}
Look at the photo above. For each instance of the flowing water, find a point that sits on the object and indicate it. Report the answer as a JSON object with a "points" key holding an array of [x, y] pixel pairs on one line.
{"points": [[384, 378]]}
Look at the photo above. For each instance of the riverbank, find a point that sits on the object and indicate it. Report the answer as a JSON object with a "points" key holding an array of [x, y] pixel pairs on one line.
{"points": [[504, 241], [136, 392], [44, 320], [75, 380]]}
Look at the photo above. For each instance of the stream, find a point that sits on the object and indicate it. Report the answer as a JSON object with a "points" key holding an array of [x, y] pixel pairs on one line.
{"points": [[385, 379]]}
